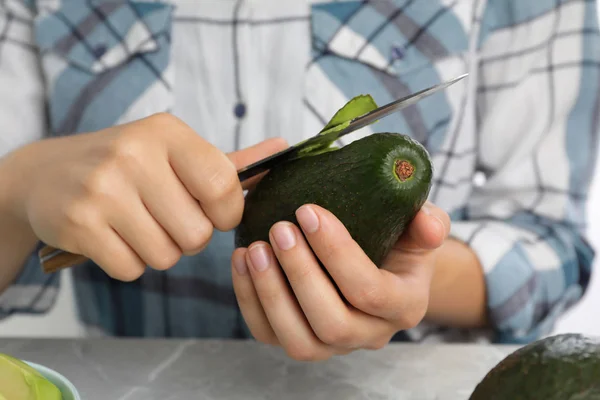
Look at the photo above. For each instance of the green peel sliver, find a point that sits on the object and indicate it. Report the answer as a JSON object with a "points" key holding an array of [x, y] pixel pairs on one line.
{"points": [[356, 107]]}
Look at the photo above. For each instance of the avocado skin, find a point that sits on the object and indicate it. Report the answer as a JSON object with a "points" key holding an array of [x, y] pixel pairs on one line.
{"points": [[356, 183], [560, 367]]}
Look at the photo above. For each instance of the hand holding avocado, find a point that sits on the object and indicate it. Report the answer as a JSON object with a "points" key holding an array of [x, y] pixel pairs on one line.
{"points": [[336, 247], [307, 316]]}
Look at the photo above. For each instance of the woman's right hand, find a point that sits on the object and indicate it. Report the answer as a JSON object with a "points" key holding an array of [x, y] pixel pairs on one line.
{"points": [[142, 193]]}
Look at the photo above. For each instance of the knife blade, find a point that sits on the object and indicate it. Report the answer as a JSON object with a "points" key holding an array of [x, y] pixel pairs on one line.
{"points": [[357, 123]]}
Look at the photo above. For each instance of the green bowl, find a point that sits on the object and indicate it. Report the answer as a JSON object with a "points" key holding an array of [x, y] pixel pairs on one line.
{"points": [[67, 389]]}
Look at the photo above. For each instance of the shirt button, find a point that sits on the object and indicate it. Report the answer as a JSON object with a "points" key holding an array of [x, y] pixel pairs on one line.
{"points": [[397, 53], [240, 110], [100, 50], [479, 178]]}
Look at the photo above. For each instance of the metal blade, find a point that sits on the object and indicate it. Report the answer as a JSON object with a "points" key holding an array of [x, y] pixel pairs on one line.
{"points": [[360, 122]]}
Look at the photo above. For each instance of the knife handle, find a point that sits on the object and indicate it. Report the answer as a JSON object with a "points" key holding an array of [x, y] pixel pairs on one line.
{"points": [[54, 260]]}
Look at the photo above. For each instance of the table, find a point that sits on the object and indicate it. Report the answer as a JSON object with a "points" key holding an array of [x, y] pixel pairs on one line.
{"points": [[133, 369]]}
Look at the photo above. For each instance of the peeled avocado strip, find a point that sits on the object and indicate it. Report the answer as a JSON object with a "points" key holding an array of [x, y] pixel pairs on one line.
{"points": [[19, 381], [356, 107]]}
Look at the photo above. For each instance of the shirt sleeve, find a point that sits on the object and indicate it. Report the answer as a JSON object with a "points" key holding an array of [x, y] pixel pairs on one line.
{"points": [[537, 115], [22, 118]]}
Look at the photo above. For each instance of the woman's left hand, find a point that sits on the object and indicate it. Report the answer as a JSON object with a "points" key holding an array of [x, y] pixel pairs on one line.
{"points": [[307, 317]]}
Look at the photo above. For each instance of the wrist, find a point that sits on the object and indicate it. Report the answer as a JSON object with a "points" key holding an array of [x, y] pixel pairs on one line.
{"points": [[458, 290], [17, 238], [14, 178]]}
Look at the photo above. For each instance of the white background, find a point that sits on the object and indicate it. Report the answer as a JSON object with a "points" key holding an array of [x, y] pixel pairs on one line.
{"points": [[61, 321]]}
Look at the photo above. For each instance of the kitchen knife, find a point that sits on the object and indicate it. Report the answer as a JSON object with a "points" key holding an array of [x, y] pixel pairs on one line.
{"points": [[357, 123], [53, 259]]}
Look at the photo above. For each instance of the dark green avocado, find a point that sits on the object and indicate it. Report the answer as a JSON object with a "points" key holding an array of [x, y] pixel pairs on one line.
{"points": [[374, 186], [560, 367]]}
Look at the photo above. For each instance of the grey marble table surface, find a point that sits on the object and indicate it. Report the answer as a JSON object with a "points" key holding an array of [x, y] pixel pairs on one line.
{"points": [[130, 369]]}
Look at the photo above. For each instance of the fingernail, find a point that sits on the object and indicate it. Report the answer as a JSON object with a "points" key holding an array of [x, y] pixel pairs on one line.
{"points": [[259, 258], [440, 223], [284, 236], [240, 266], [308, 219]]}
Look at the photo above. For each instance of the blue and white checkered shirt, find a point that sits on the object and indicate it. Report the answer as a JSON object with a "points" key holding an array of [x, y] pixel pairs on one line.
{"points": [[514, 145]]}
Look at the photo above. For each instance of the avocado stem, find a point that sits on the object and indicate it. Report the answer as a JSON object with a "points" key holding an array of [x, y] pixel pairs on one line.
{"points": [[404, 170]]}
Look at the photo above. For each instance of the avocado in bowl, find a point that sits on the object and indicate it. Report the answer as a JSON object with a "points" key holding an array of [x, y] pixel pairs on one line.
{"points": [[24, 380]]}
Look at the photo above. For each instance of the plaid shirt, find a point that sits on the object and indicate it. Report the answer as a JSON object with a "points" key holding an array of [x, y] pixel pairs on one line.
{"points": [[514, 145]]}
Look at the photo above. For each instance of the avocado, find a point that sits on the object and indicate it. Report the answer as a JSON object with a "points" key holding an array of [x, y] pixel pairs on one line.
{"points": [[559, 367], [374, 186], [19, 380]]}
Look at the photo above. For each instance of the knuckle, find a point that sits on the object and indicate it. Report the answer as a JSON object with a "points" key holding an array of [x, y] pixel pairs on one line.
{"points": [[300, 274], [412, 316], [336, 249], [372, 299], [221, 189], [269, 298], [233, 217], [337, 333], [128, 149], [80, 214], [330, 250], [162, 116], [161, 120], [229, 221], [165, 259], [223, 182], [101, 180], [196, 239], [164, 124]]}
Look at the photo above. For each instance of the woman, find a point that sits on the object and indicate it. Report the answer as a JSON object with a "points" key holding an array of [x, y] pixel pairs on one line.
{"points": [[125, 122]]}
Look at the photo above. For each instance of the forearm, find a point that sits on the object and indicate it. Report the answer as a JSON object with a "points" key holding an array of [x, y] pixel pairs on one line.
{"points": [[17, 240], [22, 117], [458, 291]]}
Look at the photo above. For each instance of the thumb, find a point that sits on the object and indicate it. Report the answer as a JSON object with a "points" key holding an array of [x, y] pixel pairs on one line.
{"points": [[249, 155], [418, 244], [428, 230]]}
